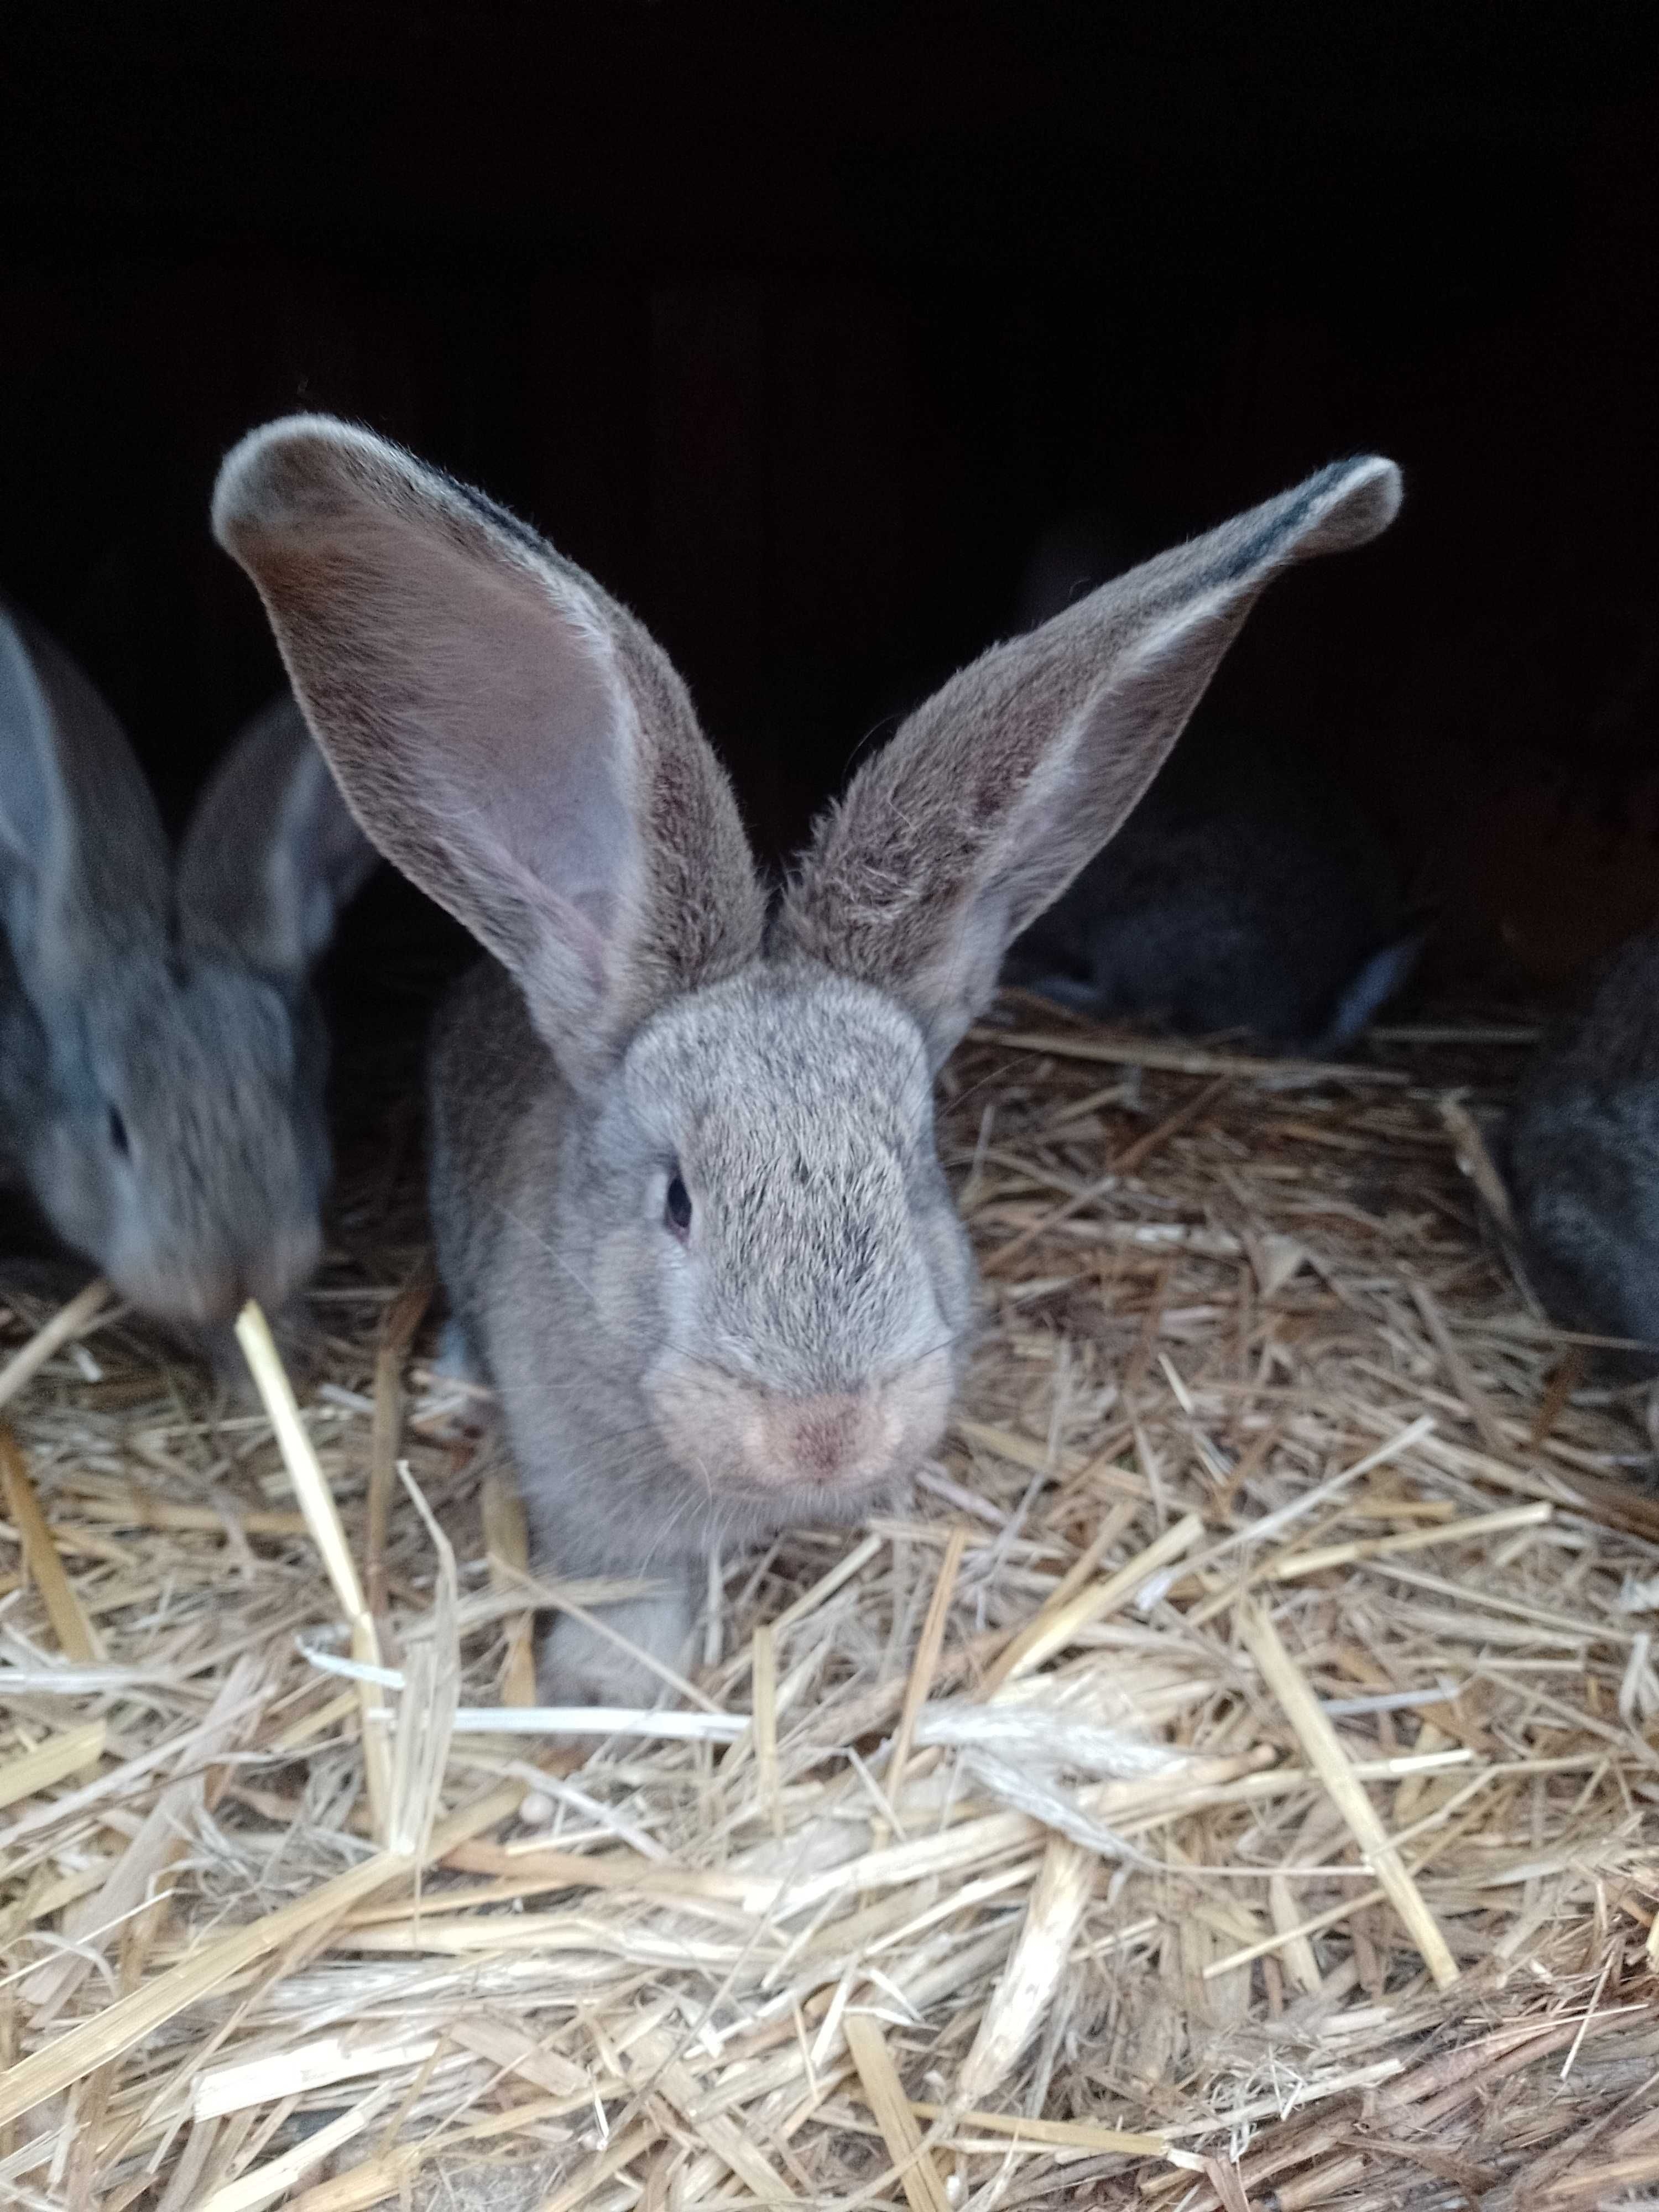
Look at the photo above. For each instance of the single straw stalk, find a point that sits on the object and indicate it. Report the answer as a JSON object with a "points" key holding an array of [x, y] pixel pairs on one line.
{"points": [[1064, 1619], [1325, 1754], [69, 1322], [884, 2093], [1181, 1060], [71, 1750], [402, 1318], [75, 1633], [323, 1520], [1060, 1898], [929, 1645], [506, 1543]]}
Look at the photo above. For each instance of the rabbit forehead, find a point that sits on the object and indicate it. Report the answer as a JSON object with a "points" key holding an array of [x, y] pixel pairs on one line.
{"points": [[182, 1036], [773, 1061]]}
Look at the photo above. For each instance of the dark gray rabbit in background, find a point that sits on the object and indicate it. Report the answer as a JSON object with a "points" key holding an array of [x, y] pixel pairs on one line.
{"points": [[1247, 891], [1582, 1154], [161, 1056], [690, 1209]]}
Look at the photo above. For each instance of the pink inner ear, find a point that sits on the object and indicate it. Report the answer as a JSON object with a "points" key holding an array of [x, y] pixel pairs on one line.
{"points": [[523, 722], [489, 711], [507, 736]]}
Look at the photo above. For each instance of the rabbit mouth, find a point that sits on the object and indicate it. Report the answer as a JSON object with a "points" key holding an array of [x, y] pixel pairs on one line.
{"points": [[747, 1440], [206, 1294]]}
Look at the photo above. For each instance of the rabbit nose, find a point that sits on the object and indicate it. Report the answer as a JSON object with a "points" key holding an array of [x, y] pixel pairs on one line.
{"points": [[822, 1437], [202, 1298], [219, 1296], [284, 1266]]}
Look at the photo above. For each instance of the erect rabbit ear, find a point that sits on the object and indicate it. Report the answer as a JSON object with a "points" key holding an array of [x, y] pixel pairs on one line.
{"points": [[505, 733], [84, 870], [273, 852], [998, 790]]}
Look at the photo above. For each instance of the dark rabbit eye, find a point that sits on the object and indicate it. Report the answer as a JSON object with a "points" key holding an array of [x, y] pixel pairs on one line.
{"points": [[676, 1207], [118, 1133]]}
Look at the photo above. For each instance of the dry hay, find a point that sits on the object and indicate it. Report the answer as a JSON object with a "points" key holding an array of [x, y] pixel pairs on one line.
{"points": [[1229, 1781]]}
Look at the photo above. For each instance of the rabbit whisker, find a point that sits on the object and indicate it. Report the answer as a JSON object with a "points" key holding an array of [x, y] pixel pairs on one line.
{"points": [[527, 1229], [941, 1344]]}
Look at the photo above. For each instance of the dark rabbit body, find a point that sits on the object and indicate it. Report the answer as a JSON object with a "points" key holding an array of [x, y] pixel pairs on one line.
{"points": [[161, 1056], [1582, 1153], [690, 1207], [1248, 891]]}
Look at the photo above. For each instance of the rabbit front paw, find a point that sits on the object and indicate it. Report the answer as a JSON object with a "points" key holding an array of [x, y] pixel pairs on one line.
{"points": [[579, 1665]]}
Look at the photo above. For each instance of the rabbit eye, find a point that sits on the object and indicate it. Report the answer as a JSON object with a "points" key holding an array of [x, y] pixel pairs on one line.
{"points": [[676, 1207], [118, 1133]]}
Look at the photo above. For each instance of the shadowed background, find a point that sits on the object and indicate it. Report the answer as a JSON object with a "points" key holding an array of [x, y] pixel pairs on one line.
{"points": [[797, 327]]}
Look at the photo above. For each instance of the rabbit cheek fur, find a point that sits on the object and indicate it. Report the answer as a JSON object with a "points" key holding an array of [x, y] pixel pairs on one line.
{"points": [[788, 1360]]}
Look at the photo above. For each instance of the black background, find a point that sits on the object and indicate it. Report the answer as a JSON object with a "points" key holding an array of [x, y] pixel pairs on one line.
{"points": [[797, 325]]}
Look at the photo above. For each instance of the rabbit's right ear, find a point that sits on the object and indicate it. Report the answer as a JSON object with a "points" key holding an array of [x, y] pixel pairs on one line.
{"points": [[505, 733], [273, 852], [1001, 787], [84, 870]]}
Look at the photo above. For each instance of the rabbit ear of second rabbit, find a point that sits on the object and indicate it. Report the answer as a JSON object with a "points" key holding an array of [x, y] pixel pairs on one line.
{"points": [[83, 857], [510, 736], [272, 852], [162, 1062], [1000, 788]]}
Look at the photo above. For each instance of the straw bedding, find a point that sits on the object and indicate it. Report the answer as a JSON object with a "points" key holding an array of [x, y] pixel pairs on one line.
{"points": [[1230, 1780]]}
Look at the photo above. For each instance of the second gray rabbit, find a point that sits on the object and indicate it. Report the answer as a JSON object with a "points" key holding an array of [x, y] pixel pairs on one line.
{"points": [[691, 1212], [1247, 891], [162, 1055], [1582, 1152]]}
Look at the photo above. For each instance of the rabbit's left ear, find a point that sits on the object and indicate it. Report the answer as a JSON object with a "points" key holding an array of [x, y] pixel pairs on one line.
{"points": [[272, 854], [508, 736], [1000, 788], [84, 869]]}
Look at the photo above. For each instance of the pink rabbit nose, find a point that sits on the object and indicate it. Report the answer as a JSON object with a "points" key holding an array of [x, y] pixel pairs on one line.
{"points": [[271, 1274], [201, 1298], [219, 1296], [284, 1266], [823, 1434], [829, 1439], [209, 1293]]}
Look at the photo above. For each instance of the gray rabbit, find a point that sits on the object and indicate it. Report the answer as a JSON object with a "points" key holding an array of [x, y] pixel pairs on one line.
{"points": [[1247, 891], [690, 1209], [161, 1056], [1581, 1151]]}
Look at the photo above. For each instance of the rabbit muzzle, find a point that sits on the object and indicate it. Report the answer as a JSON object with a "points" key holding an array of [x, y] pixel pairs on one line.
{"points": [[208, 1291], [744, 1436]]}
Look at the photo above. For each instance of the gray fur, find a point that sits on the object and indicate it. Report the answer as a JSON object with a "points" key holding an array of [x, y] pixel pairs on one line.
{"points": [[831, 1261], [516, 741], [162, 1058], [1582, 1158]]}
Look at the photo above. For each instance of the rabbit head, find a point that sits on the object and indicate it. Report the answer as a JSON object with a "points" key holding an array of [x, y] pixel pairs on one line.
{"points": [[735, 1229], [161, 1060], [775, 1233]]}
